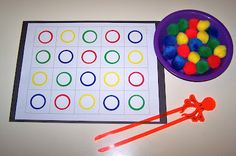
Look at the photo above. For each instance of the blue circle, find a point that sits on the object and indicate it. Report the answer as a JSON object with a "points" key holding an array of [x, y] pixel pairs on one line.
{"points": [[34, 97], [94, 78], [135, 42], [65, 62], [111, 109]]}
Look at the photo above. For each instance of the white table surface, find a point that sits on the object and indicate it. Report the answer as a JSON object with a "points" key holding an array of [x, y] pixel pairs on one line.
{"points": [[215, 137]]}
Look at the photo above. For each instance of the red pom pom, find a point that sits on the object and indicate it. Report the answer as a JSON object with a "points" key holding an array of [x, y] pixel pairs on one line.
{"points": [[193, 23], [183, 50], [191, 33], [214, 61], [190, 68]]}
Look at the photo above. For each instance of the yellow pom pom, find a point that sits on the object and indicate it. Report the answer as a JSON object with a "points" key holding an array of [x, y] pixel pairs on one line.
{"points": [[220, 51], [194, 57], [203, 36], [203, 25], [182, 38]]}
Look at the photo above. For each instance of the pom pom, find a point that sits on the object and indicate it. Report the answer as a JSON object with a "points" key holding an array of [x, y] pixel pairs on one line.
{"points": [[194, 57], [183, 50], [213, 32], [203, 25], [182, 38], [202, 67], [169, 52], [169, 40], [203, 36], [183, 24], [214, 61], [178, 62], [193, 23], [220, 51], [195, 44], [173, 29], [190, 68], [191, 33], [213, 43], [205, 51]]}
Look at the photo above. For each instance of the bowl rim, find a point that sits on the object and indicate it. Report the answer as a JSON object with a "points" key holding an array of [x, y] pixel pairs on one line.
{"points": [[195, 78]]}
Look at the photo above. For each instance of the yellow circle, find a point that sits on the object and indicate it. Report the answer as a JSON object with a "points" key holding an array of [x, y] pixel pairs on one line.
{"points": [[39, 84], [135, 51], [81, 104], [111, 84], [220, 51], [67, 41], [194, 57]]}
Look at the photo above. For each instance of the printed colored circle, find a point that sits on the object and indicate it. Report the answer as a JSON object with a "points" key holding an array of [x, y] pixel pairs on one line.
{"points": [[67, 40], [41, 52], [39, 83], [135, 61], [43, 33], [109, 61], [108, 39], [88, 73], [137, 84], [111, 96], [86, 33], [136, 108], [56, 101], [88, 107], [133, 33], [109, 83], [64, 52], [35, 96], [61, 75], [89, 51]]}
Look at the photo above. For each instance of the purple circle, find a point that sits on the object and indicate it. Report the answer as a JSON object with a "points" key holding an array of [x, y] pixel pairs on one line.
{"points": [[224, 38]]}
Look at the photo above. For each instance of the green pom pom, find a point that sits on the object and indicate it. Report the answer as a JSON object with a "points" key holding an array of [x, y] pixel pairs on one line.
{"points": [[173, 29], [183, 24], [202, 67], [213, 43], [205, 52]]}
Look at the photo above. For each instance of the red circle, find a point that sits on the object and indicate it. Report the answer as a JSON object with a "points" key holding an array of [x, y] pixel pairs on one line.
{"points": [[136, 85], [214, 61], [183, 50], [55, 101], [191, 33], [114, 40], [193, 23], [45, 31], [87, 51], [190, 68]]}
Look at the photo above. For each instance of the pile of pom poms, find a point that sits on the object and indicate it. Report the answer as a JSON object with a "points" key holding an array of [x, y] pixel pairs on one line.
{"points": [[192, 46]]}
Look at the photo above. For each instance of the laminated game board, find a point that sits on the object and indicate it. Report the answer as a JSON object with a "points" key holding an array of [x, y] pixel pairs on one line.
{"points": [[90, 71]]}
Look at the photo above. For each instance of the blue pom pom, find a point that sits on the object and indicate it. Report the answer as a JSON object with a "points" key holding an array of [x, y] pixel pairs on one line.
{"points": [[178, 62], [213, 32], [170, 40], [169, 52], [194, 44]]}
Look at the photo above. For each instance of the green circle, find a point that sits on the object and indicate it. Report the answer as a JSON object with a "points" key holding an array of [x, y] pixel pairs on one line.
{"points": [[83, 37], [133, 108], [183, 24], [173, 29], [63, 85], [49, 56], [111, 51], [202, 67]]}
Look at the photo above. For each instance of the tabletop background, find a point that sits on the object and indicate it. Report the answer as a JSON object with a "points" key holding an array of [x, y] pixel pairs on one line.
{"points": [[215, 137]]}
